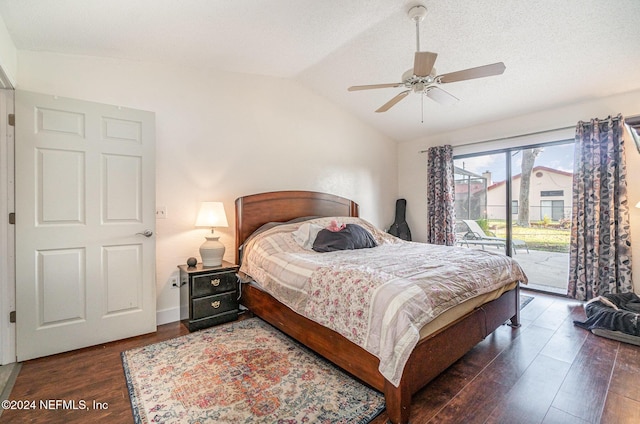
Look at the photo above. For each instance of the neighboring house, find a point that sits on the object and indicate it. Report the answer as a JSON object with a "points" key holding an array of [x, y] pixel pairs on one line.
{"points": [[549, 195]]}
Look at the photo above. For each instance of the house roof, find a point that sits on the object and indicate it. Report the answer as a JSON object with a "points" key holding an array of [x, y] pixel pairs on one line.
{"points": [[547, 46], [534, 170]]}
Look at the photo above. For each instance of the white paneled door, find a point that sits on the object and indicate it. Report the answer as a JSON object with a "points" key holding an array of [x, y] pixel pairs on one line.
{"points": [[85, 223]]}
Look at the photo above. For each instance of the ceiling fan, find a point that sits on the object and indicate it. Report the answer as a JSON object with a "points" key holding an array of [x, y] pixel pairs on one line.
{"points": [[422, 78]]}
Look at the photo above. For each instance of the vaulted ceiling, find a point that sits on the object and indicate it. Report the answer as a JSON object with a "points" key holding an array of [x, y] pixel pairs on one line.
{"points": [[556, 52]]}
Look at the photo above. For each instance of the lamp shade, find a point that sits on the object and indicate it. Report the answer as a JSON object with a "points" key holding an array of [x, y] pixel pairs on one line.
{"points": [[212, 215], [638, 205]]}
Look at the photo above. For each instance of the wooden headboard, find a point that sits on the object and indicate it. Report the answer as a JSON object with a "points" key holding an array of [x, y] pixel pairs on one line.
{"points": [[280, 206]]}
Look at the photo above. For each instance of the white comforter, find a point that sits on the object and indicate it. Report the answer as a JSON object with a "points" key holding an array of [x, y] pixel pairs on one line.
{"points": [[378, 298]]}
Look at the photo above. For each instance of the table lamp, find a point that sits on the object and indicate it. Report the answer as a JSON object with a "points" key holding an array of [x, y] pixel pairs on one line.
{"points": [[212, 215]]}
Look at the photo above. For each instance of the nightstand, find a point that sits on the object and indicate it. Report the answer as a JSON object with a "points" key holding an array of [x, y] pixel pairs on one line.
{"points": [[208, 295]]}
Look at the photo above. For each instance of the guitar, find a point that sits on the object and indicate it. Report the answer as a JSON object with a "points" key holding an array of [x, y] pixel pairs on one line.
{"points": [[400, 228]]}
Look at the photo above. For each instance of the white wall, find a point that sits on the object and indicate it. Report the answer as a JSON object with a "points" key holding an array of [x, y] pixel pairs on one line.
{"points": [[224, 135], [8, 57], [412, 170]]}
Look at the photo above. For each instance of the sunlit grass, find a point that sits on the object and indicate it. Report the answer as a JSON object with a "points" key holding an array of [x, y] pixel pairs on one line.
{"points": [[537, 238]]}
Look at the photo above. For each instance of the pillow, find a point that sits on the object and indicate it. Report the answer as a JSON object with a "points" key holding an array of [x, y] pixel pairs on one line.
{"points": [[306, 235], [268, 226], [351, 237]]}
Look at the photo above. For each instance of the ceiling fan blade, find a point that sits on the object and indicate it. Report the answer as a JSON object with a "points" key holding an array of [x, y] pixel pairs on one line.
{"points": [[423, 63], [369, 87], [385, 107], [441, 96], [471, 73]]}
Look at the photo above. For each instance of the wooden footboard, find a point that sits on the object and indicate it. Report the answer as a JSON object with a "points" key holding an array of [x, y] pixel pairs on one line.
{"points": [[442, 349]]}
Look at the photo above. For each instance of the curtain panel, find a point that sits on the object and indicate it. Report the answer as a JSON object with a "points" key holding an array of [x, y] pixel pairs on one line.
{"points": [[600, 249], [440, 196]]}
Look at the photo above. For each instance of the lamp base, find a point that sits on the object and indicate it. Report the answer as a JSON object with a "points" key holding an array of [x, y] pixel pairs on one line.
{"points": [[212, 251]]}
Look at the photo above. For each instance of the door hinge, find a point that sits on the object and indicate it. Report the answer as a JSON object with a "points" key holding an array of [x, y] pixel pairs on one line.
{"points": [[12, 120], [12, 218], [12, 316]]}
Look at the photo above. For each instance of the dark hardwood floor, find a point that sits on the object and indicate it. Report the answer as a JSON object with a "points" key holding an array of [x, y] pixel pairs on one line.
{"points": [[547, 371]]}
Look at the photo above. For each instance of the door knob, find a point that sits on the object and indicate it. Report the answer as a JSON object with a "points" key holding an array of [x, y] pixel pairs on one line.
{"points": [[146, 233]]}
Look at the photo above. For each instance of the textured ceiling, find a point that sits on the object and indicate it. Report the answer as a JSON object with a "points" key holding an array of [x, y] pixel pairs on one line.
{"points": [[555, 52]]}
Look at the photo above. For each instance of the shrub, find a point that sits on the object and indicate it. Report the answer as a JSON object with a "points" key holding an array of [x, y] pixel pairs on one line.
{"points": [[565, 223], [484, 224]]}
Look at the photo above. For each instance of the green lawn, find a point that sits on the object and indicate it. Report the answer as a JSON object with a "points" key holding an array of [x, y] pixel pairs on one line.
{"points": [[537, 238]]}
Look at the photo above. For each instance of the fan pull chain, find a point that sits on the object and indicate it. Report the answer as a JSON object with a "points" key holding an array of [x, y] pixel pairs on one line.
{"points": [[422, 106]]}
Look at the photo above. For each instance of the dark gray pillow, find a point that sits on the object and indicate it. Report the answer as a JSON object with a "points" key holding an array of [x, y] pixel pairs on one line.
{"points": [[351, 237]]}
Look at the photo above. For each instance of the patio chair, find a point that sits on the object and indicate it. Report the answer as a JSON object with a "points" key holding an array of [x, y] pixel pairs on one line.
{"points": [[466, 241], [477, 233]]}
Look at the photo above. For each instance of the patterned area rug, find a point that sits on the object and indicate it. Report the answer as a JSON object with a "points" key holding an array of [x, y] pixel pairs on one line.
{"points": [[242, 372]]}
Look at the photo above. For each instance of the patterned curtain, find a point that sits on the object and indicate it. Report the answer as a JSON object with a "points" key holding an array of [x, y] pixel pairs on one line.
{"points": [[440, 196], [600, 251]]}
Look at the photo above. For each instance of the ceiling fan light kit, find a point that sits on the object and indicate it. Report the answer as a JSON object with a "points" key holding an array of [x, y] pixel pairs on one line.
{"points": [[423, 79]]}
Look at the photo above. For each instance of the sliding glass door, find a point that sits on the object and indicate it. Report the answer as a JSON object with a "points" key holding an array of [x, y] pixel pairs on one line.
{"points": [[518, 202]]}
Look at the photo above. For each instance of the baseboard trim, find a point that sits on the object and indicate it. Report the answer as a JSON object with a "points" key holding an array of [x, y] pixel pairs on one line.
{"points": [[166, 316], [8, 385]]}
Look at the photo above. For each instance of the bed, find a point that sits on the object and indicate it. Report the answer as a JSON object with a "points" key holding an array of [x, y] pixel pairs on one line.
{"points": [[438, 348]]}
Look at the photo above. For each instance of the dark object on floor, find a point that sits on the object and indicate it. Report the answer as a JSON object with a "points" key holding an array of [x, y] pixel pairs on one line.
{"points": [[400, 228], [615, 316]]}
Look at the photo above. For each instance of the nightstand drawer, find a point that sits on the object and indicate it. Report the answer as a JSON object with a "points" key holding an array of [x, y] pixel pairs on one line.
{"points": [[213, 305], [213, 283]]}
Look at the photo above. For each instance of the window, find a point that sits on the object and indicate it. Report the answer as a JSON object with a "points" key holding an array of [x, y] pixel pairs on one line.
{"points": [[551, 193], [491, 189], [554, 209], [633, 123]]}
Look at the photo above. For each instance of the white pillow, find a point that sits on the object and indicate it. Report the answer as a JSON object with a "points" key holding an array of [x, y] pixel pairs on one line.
{"points": [[306, 234]]}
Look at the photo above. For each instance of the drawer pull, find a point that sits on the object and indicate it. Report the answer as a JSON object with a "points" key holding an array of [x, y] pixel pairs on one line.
{"points": [[216, 304], [216, 282]]}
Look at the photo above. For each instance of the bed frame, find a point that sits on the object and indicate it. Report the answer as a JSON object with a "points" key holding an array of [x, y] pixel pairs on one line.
{"points": [[430, 357]]}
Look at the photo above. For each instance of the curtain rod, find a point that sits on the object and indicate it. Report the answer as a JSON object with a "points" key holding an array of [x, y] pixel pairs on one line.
{"points": [[508, 138]]}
